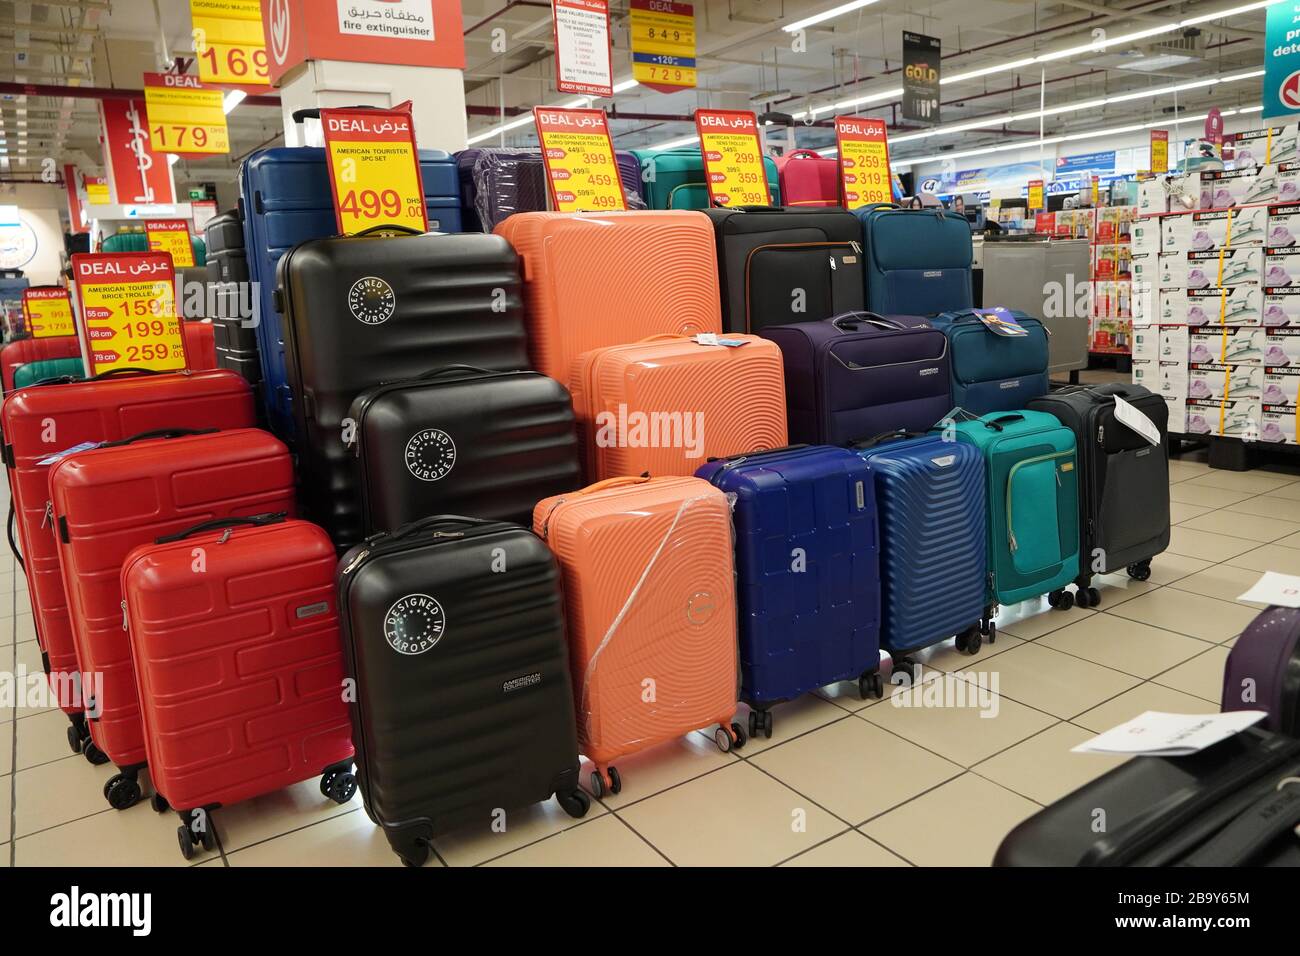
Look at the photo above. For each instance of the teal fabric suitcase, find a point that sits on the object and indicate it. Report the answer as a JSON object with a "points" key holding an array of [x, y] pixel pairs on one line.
{"points": [[1032, 474], [674, 178], [33, 372]]}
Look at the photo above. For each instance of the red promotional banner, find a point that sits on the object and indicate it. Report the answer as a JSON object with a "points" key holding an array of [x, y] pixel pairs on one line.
{"points": [[581, 172], [863, 145], [136, 174], [733, 157], [374, 169], [76, 208], [128, 312], [410, 32]]}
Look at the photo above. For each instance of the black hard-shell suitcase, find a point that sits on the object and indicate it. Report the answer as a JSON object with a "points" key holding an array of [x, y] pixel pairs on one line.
{"points": [[453, 629], [779, 265], [365, 310], [1124, 489], [1220, 807], [463, 440], [234, 331], [224, 237]]}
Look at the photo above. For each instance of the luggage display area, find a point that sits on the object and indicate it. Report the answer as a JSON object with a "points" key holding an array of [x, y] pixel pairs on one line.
{"points": [[459, 433]]}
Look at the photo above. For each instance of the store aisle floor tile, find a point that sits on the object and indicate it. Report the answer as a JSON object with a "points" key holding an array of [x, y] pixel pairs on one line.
{"points": [[348, 839], [1202, 676], [1139, 700], [662, 766], [133, 837], [1131, 647], [1043, 768], [1056, 683], [501, 833], [604, 842], [1221, 581], [847, 849]]}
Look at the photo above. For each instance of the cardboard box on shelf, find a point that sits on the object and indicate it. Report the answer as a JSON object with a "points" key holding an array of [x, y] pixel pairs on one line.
{"points": [[1177, 414], [1146, 235], [1172, 378], [1226, 345], [1269, 144], [1146, 343], [1278, 425], [1242, 265], [1283, 225], [1145, 268], [1202, 231], [1146, 372], [1232, 382], [1281, 306], [1153, 196], [1174, 343], [1288, 181], [1281, 386], [1231, 418], [1230, 305], [1282, 266], [1239, 187], [1281, 347]]}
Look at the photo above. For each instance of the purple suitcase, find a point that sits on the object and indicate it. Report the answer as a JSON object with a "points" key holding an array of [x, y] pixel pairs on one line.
{"points": [[860, 374], [497, 183], [1263, 670]]}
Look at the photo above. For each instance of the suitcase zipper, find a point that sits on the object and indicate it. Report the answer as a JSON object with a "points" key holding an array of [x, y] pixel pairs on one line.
{"points": [[124, 621], [749, 262], [49, 514], [1011, 535]]}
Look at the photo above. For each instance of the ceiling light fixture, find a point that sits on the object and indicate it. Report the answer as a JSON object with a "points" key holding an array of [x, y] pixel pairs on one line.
{"points": [[830, 14]]}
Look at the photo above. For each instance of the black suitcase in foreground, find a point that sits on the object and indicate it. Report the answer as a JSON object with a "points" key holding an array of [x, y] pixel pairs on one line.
{"points": [[1124, 488], [1220, 807], [224, 237], [778, 265], [463, 440], [365, 310], [453, 630]]}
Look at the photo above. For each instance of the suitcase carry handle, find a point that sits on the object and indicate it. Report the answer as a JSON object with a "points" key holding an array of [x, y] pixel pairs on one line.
{"points": [[10, 528], [216, 524], [313, 112], [996, 424], [57, 380], [610, 483], [372, 230], [758, 451], [1272, 815], [434, 373], [114, 372], [871, 318], [423, 524], [158, 433], [898, 434], [804, 154]]}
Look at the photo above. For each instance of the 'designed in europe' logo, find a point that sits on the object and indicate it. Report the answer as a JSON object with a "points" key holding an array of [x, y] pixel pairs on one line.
{"points": [[371, 300], [430, 454], [414, 624]]}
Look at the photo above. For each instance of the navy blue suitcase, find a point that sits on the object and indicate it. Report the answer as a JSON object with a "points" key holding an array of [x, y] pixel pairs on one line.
{"points": [[807, 575], [285, 199], [919, 261], [992, 372], [931, 504]]}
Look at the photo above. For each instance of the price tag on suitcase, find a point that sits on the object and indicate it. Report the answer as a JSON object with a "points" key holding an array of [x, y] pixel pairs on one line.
{"points": [[128, 312], [581, 173], [733, 158], [48, 312], [374, 169]]}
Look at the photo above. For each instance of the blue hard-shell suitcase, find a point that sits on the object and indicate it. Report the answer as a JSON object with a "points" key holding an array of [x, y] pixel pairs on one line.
{"points": [[807, 573], [930, 498], [992, 372], [285, 198], [919, 261]]}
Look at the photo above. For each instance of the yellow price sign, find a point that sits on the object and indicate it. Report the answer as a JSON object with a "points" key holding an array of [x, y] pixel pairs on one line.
{"points": [[663, 44], [1036, 194], [1160, 151], [229, 42], [171, 236], [863, 145], [128, 312], [581, 172], [184, 116], [97, 191], [733, 158], [374, 169], [48, 312]]}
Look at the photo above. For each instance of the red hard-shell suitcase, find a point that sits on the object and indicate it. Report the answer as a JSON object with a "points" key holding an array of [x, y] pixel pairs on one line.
{"points": [[44, 420], [108, 500], [200, 346], [239, 666]]}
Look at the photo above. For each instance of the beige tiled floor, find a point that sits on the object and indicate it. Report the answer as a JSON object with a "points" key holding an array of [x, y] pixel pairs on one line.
{"points": [[842, 782]]}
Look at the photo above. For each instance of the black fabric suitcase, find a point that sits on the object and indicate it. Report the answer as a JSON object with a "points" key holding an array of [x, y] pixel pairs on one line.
{"points": [[779, 265], [1220, 807], [363, 310], [1124, 491], [464, 702], [463, 441]]}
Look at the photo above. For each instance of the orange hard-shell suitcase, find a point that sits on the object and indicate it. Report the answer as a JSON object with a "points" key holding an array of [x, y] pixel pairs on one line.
{"points": [[595, 279], [667, 404], [649, 591]]}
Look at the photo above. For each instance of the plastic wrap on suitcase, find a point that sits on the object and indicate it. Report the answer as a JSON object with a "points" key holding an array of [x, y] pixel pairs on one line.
{"points": [[1124, 487], [364, 310], [1232, 804], [992, 372], [1263, 670], [16, 354], [930, 495], [239, 669], [663, 265], [75, 413], [860, 374], [108, 500], [464, 704], [285, 199], [919, 261], [650, 590], [783, 265], [809, 179], [665, 405], [462, 441], [807, 576]]}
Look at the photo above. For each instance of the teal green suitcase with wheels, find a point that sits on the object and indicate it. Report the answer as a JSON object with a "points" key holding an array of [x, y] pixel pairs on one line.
{"points": [[33, 372], [1032, 535], [674, 178]]}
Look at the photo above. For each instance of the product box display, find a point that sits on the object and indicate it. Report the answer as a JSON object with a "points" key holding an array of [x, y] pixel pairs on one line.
{"points": [[1271, 144], [1173, 377], [1288, 181], [1218, 382], [1283, 225], [1281, 306], [1239, 187], [1200, 231], [1177, 413], [1278, 425], [1234, 305], [1281, 386], [1281, 347], [1146, 235], [1281, 266], [1174, 343], [1241, 345], [1232, 418], [1146, 343], [1152, 196]]}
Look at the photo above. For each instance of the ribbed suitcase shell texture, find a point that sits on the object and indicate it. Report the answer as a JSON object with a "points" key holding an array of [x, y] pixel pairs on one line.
{"points": [[592, 280], [1263, 670], [807, 575], [108, 501], [733, 398], [24, 351], [105, 410], [991, 372], [482, 719], [649, 592], [240, 668], [930, 495]]}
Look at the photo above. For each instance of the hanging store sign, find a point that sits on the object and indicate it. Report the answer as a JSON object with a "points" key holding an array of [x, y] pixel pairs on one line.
{"points": [[663, 44], [1160, 151], [184, 116], [136, 174], [229, 42], [921, 66], [582, 57]]}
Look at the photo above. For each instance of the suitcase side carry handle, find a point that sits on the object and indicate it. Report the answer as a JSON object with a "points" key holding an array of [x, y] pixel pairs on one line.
{"points": [[997, 423], [159, 433], [217, 524], [757, 451], [10, 528], [804, 154]]}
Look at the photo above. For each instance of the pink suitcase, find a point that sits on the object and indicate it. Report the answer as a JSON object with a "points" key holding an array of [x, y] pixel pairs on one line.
{"points": [[808, 179]]}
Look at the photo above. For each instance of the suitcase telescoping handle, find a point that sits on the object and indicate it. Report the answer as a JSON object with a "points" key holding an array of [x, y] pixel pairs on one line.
{"points": [[997, 423], [158, 433], [218, 524]]}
